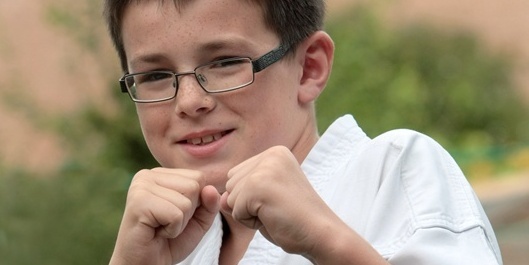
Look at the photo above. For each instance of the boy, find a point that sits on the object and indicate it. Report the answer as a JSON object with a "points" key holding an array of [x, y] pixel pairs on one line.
{"points": [[225, 93]]}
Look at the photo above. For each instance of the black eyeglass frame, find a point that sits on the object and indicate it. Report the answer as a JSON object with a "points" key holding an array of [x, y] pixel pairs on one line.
{"points": [[258, 65]]}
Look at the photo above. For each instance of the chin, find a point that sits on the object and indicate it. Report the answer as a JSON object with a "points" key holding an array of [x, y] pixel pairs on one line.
{"points": [[217, 180]]}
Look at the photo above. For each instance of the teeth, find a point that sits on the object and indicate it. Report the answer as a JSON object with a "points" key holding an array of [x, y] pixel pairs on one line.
{"points": [[205, 140], [217, 136]]}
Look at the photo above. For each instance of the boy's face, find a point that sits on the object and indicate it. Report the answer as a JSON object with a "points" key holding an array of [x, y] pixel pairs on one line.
{"points": [[214, 132]]}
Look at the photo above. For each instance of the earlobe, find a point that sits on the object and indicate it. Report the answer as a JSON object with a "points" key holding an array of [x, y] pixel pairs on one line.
{"points": [[316, 54]]}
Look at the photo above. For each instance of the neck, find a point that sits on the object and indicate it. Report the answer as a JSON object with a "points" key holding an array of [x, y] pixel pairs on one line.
{"points": [[307, 139], [235, 241]]}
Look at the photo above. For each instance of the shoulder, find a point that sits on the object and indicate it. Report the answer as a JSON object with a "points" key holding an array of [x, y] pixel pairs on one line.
{"points": [[406, 148], [418, 177], [405, 139], [429, 196], [423, 169]]}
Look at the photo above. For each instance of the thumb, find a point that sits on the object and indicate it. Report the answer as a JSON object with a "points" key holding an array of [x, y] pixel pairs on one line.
{"points": [[209, 208], [224, 207], [200, 223]]}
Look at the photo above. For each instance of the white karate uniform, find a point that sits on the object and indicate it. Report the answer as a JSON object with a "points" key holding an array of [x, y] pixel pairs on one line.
{"points": [[401, 191]]}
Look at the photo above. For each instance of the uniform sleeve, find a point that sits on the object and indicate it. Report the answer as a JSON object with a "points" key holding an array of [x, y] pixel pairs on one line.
{"points": [[425, 211]]}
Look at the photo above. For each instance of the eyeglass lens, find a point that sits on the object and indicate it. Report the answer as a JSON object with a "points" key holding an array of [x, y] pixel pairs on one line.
{"points": [[218, 76]]}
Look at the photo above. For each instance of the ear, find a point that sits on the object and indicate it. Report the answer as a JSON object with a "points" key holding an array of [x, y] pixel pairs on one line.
{"points": [[315, 55]]}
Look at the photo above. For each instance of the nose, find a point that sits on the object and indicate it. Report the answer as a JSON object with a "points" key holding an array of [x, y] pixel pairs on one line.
{"points": [[191, 99]]}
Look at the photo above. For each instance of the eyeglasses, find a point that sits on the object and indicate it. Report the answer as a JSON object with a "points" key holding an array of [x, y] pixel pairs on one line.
{"points": [[214, 77]]}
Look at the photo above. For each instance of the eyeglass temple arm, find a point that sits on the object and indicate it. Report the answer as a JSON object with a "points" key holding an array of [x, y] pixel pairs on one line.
{"points": [[258, 65], [122, 84], [269, 58]]}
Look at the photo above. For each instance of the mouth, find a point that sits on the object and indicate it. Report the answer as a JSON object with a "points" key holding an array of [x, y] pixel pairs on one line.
{"points": [[206, 139]]}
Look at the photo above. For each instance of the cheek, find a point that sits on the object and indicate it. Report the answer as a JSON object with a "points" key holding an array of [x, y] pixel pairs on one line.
{"points": [[153, 124], [270, 116]]}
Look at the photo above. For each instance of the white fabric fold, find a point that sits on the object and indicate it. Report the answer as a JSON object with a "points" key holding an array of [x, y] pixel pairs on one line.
{"points": [[401, 191]]}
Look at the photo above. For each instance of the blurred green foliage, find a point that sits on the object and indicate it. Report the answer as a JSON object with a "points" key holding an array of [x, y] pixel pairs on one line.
{"points": [[68, 219], [442, 84]]}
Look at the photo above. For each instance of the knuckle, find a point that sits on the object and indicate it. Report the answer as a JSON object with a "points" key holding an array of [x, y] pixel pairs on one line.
{"points": [[142, 174], [239, 216], [200, 179], [176, 216], [186, 206], [137, 197], [195, 187], [279, 150], [190, 189], [170, 231], [140, 179], [256, 179]]}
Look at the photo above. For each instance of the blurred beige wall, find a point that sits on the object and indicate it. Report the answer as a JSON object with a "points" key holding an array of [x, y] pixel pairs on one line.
{"points": [[41, 64]]}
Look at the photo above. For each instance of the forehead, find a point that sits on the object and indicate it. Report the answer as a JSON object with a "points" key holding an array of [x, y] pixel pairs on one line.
{"points": [[157, 27], [229, 10]]}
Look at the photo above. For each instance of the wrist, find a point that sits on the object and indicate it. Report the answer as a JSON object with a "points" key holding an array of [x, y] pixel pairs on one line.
{"points": [[342, 245]]}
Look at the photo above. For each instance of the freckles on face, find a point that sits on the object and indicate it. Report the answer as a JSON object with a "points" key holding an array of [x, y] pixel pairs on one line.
{"points": [[249, 120], [154, 121], [270, 110]]}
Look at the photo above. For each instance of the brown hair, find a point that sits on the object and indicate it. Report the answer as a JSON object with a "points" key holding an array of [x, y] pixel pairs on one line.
{"points": [[291, 20]]}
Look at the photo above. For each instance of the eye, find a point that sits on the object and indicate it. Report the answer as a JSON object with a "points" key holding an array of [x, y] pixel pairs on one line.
{"points": [[228, 62], [151, 77]]}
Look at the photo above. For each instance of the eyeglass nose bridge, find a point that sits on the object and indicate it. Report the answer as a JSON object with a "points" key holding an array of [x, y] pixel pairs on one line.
{"points": [[200, 78]]}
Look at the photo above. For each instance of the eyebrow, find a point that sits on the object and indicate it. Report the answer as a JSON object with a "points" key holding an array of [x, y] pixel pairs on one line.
{"points": [[148, 58], [228, 43], [208, 47]]}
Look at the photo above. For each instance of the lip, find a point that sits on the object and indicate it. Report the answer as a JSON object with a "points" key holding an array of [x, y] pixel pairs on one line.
{"points": [[204, 150]]}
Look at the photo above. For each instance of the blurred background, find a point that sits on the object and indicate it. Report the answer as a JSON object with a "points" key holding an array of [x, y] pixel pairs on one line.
{"points": [[70, 142]]}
